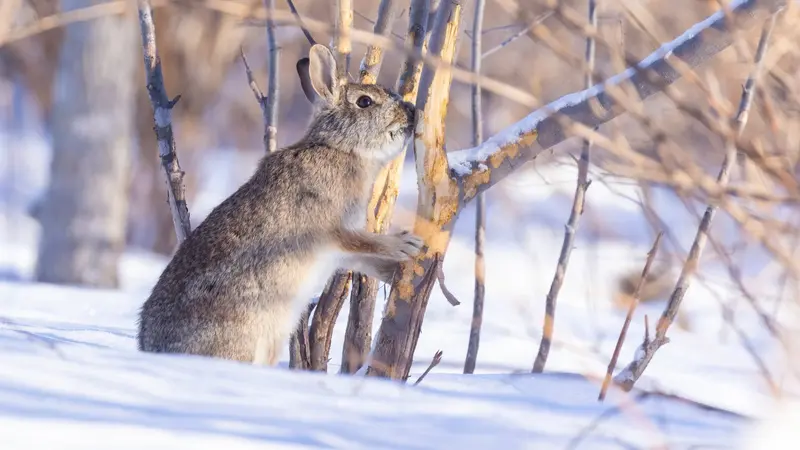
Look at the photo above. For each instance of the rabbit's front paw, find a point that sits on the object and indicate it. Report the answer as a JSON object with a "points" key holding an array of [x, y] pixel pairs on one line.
{"points": [[404, 245]]}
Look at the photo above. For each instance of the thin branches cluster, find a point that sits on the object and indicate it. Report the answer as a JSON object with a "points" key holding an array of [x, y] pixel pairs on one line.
{"points": [[755, 184]]}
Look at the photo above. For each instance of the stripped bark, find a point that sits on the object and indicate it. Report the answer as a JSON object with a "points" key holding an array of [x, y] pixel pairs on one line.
{"points": [[438, 197], [342, 44], [571, 229], [474, 170], [358, 336], [162, 115], [480, 207], [371, 64], [644, 354]]}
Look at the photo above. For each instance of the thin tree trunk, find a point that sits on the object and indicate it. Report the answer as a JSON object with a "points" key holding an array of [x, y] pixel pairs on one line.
{"points": [[438, 198], [571, 229], [85, 208], [328, 307], [331, 299], [480, 207], [162, 119], [271, 132], [358, 335]]}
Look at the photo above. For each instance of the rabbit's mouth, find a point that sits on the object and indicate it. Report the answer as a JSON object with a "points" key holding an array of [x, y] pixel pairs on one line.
{"points": [[401, 131]]}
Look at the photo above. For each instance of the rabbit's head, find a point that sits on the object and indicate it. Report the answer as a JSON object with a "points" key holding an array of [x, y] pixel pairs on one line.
{"points": [[364, 118]]}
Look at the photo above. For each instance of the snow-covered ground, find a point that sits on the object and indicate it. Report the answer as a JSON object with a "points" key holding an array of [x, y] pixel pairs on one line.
{"points": [[70, 375]]}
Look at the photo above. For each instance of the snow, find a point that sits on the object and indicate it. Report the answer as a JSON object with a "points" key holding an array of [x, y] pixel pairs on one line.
{"points": [[70, 367], [461, 161], [69, 364]]}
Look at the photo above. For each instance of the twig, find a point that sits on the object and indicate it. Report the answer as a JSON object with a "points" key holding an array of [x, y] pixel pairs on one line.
{"points": [[271, 131], [302, 26], [523, 32], [480, 211], [628, 377], [371, 64], [162, 115], [440, 278], [651, 255], [260, 98], [574, 217], [372, 22], [437, 358]]}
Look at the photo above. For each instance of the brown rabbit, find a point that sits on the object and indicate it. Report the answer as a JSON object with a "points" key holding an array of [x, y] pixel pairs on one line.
{"points": [[236, 287]]}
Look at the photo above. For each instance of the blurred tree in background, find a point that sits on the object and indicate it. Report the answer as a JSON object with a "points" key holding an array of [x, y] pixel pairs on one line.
{"points": [[84, 210]]}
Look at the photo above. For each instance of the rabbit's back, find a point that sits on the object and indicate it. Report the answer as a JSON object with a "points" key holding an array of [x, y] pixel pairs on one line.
{"points": [[251, 266]]}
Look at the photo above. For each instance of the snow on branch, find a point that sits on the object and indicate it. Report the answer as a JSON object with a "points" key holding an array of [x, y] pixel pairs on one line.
{"points": [[476, 169]]}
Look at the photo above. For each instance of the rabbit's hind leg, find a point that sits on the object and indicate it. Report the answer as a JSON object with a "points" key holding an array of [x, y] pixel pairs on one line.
{"points": [[230, 339]]}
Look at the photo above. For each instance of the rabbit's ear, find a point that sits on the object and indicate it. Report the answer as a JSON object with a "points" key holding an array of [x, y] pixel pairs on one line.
{"points": [[322, 73], [305, 79]]}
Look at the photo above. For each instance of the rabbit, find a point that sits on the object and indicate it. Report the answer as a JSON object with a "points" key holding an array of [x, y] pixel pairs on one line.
{"points": [[236, 287]]}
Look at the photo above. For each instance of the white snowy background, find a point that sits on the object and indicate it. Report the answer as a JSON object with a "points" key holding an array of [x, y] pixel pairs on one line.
{"points": [[71, 377]]}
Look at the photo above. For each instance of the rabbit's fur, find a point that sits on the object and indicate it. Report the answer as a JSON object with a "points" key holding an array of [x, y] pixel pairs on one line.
{"points": [[236, 287]]}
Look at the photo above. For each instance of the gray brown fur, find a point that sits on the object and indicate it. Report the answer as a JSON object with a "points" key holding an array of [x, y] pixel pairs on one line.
{"points": [[235, 288]]}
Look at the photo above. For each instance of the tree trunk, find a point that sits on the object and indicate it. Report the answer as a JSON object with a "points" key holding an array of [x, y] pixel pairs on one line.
{"points": [[84, 210]]}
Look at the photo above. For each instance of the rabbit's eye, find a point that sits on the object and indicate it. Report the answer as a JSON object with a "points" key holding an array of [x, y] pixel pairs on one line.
{"points": [[364, 101]]}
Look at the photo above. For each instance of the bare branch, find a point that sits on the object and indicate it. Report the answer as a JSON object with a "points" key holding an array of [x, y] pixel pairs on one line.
{"points": [[571, 228], [651, 256], [65, 18], [310, 38], [371, 64], [162, 116], [260, 98], [440, 278], [628, 377], [271, 131], [437, 358], [480, 211], [522, 32], [478, 168]]}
